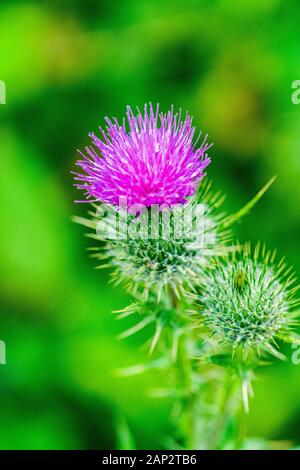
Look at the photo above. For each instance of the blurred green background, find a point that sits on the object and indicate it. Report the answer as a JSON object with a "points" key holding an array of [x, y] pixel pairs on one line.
{"points": [[66, 65]]}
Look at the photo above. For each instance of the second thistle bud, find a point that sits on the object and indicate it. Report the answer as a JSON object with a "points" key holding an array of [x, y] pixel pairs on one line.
{"points": [[248, 300]]}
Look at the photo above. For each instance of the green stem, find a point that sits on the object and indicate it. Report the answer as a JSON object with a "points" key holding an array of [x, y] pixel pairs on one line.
{"points": [[185, 379], [188, 394], [224, 410], [242, 430]]}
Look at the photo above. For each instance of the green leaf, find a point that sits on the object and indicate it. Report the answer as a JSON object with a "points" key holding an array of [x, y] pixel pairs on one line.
{"points": [[230, 220]]}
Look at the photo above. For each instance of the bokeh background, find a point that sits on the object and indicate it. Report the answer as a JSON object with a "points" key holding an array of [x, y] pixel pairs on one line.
{"points": [[66, 65]]}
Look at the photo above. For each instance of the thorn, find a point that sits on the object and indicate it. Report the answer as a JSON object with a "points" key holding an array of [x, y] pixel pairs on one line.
{"points": [[155, 339], [245, 209], [139, 326], [245, 396]]}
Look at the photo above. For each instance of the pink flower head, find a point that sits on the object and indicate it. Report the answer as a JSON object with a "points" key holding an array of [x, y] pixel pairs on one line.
{"points": [[150, 159]]}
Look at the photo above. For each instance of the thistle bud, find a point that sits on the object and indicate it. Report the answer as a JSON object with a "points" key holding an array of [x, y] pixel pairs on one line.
{"points": [[173, 256], [247, 301]]}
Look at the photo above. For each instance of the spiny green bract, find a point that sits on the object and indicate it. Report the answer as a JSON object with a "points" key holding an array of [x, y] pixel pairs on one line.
{"points": [[157, 263], [164, 316], [247, 301], [165, 249]]}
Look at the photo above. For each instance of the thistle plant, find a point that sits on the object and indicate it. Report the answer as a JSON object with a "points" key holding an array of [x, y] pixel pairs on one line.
{"points": [[217, 308]]}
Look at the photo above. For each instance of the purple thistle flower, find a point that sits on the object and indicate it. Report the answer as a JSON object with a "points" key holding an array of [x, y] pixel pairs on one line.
{"points": [[153, 162]]}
